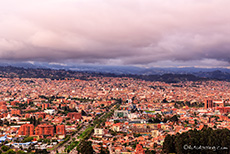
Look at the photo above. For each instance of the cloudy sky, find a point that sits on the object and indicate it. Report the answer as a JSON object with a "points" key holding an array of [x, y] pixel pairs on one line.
{"points": [[117, 32]]}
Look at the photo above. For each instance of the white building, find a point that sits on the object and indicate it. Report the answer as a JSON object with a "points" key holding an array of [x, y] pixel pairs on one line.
{"points": [[98, 132], [49, 111]]}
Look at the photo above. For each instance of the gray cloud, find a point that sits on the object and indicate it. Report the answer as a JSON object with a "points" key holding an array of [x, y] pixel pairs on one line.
{"points": [[139, 32]]}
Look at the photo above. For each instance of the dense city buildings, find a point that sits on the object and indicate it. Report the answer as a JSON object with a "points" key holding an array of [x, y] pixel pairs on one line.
{"points": [[223, 109], [26, 129], [45, 106], [112, 114], [42, 130], [209, 104], [74, 116], [61, 131]]}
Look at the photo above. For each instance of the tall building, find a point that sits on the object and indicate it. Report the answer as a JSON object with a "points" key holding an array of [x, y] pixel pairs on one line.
{"points": [[223, 109], [3, 106], [60, 130], [139, 149], [41, 115], [121, 113], [44, 130], [15, 111], [74, 115], [45, 106], [26, 129], [208, 104], [98, 132]]}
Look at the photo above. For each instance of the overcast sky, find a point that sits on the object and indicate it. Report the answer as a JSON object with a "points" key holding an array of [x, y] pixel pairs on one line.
{"points": [[117, 32]]}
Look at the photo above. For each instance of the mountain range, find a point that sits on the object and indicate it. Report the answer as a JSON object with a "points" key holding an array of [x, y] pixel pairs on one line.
{"points": [[153, 74]]}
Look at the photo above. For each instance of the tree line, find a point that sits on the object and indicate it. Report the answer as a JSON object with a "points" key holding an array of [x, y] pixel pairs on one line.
{"points": [[206, 141]]}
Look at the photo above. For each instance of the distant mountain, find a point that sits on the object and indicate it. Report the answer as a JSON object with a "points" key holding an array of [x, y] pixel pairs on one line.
{"points": [[169, 78], [20, 72], [201, 72], [152, 74], [219, 75]]}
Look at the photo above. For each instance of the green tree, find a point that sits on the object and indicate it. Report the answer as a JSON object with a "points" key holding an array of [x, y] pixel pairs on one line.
{"points": [[174, 118], [102, 150], [169, 146], [207, 137], [85, 147], [21, 152], [27, 139], [5, 148], [150, 151], [11, 151]]}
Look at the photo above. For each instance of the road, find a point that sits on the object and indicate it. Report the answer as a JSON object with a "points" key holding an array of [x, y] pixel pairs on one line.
{"points": [[62, 147], [74, 150], [84, 127]]}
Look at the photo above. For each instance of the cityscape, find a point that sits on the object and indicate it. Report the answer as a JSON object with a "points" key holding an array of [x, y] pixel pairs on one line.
{"points": [[108, 114], [114, 77]]}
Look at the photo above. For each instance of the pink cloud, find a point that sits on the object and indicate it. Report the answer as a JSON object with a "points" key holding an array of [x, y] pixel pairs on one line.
{"points": [[128, 32]]}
